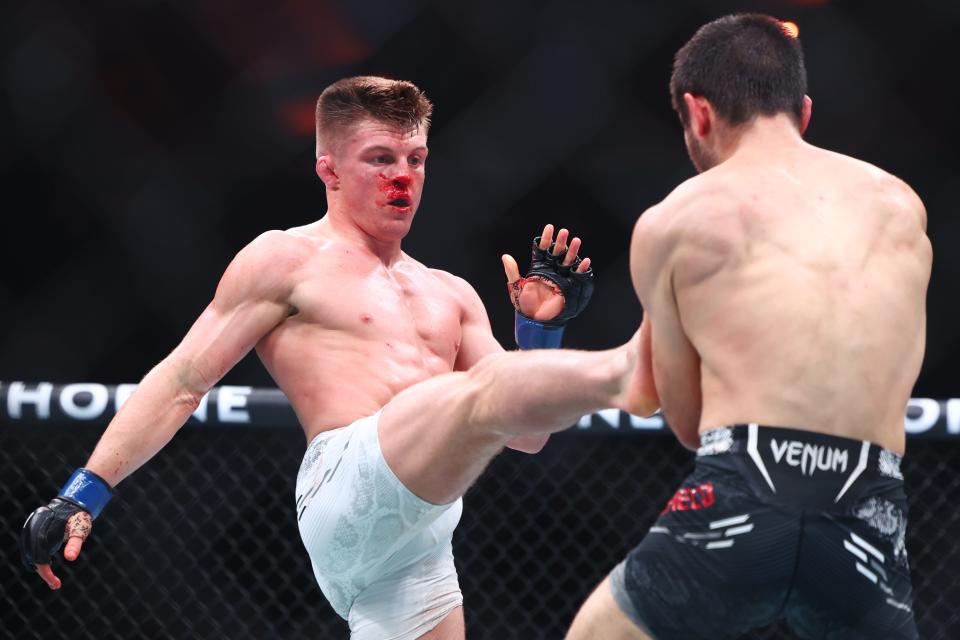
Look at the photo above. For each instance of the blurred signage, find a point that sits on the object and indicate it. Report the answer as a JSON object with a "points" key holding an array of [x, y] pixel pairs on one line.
{"points": [[226, 405]]}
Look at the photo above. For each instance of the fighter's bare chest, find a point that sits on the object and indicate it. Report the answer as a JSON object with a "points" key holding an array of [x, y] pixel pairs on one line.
{"points": [[379, 303]]}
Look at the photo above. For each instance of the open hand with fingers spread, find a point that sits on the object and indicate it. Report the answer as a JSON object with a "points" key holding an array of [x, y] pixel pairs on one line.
{"points": [[557, 287]]}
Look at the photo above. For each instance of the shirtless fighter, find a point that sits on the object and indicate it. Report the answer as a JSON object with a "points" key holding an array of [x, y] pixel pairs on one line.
{"points": [[401, 388], [784, 285]]}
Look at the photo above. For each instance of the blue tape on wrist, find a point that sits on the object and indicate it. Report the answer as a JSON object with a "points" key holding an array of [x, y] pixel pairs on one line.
{"points": [[88, 490], [531, 334]]}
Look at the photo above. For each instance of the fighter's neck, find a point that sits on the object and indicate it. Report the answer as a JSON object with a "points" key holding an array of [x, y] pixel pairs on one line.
{"points": [[346, 230], [762, 136]]}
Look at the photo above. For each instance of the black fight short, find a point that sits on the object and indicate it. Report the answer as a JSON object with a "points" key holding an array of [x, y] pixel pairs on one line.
{"points": [[776, 523]]}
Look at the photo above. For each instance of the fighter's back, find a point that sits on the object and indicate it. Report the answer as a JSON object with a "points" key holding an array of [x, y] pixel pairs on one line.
{"points": [[783, 291], [799, 277]]}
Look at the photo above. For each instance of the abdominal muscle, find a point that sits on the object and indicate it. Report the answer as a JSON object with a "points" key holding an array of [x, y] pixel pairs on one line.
{"points": [[333, 378]]}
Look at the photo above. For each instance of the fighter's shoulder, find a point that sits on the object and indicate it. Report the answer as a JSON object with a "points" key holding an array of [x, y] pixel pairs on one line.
{"points": [[269, 267], [277, 251], [901, 197], [690, 205], [459, 289], [457, 286], [892, 190]]}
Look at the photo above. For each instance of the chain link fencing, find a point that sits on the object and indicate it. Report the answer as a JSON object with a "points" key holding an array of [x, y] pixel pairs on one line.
{"points": [[202, 542]]}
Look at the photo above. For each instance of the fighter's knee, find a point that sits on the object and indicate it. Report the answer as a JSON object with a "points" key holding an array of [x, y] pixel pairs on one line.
{"points": [[488, 393], [477, 384], [504, 399], [601, 617]]}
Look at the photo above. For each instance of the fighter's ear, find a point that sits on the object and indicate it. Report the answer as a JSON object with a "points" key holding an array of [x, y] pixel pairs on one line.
{"points": [[805, 113], [700, 114], [327, 172]]}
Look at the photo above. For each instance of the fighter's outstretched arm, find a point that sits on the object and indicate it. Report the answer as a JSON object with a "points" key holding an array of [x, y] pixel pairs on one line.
{"points": [[251, 299]]}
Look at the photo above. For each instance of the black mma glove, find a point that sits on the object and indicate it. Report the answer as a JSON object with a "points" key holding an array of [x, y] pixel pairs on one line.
{"points": [[575, 287], [45, 530]]}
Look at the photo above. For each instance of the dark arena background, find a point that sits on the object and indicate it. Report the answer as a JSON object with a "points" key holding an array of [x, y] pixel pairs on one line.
{"points": [[143, 143]]}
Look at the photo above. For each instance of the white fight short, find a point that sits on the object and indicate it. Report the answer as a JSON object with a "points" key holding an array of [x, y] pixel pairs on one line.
{"points": [[382, 556]]}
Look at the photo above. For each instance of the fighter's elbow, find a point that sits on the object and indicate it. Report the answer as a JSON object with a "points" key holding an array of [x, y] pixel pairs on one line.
{"points": [[646, 406], [529, 444], [189, 398], [687, 433], [690, 441], [188, 382]]}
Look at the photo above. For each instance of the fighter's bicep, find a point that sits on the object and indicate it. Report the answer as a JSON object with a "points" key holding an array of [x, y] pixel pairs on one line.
{"points": [[673, 355], [645, 263], [252, 298], [676, 368], [222, 337]]}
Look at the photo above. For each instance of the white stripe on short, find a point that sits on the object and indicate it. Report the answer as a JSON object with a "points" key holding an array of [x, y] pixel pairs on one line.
{"points": [[726, 522], [720, 544]]}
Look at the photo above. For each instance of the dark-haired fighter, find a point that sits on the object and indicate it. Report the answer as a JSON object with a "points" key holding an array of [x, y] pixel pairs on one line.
{"points": [[402, 390], [785, 285]]}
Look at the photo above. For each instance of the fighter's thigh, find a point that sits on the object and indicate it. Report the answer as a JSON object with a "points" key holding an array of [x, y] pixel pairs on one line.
{"points": [[431, 442], [452, 628], [716, 564], [869, 593], [601, 617]]}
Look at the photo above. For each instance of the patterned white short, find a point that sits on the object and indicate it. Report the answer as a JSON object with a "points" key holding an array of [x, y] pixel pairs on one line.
{"points": [[382, 556]]}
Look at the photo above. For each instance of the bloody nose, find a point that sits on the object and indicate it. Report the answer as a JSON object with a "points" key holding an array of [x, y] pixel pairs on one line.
{"points": [[401, 182]]}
